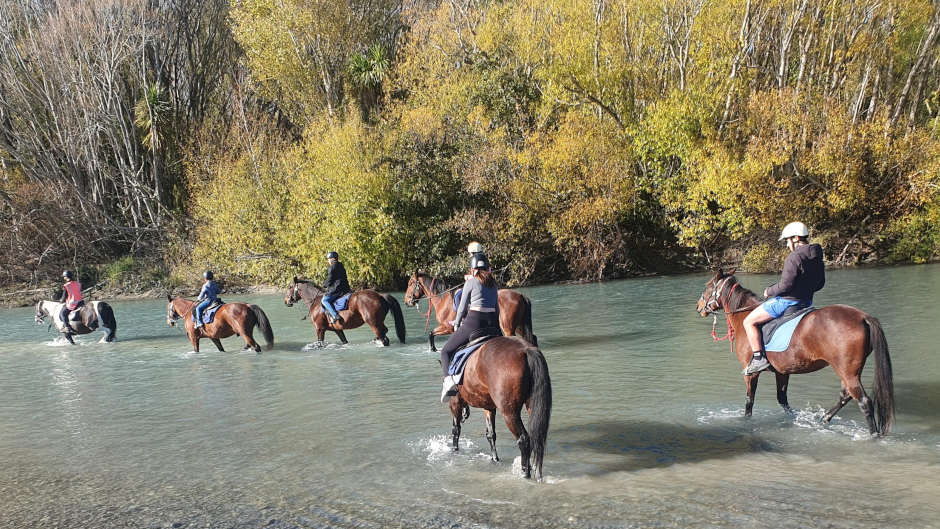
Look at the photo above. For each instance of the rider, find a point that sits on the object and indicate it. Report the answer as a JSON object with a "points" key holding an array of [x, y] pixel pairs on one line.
{"points": [[208, 294], [335, 286], [478, 309], [803, 274], [71, 296]]}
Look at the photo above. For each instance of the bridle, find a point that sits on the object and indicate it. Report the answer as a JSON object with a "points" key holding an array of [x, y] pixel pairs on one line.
{"points": [[419, 288], [716, 296]]}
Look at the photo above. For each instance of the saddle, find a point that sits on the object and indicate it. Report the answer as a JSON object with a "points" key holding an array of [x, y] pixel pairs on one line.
{"points": [[342, 302], [786, 325], [209, 313], [477, 339]]}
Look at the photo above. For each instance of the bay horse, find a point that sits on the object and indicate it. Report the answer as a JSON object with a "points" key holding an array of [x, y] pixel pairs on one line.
{"points": [[837, 335], [230, 319], [515, 309], [505, 374], [92, 315], [364, 307]]}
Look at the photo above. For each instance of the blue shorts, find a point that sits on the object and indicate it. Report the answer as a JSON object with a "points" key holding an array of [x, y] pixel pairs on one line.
{"points": [[776, 306]]}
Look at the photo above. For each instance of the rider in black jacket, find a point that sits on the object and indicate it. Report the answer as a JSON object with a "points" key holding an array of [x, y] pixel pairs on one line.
{"points": [[336, 286], [804, 273]]}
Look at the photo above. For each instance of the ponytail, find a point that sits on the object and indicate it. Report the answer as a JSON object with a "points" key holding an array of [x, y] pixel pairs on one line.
{"points": [[485, 276]]}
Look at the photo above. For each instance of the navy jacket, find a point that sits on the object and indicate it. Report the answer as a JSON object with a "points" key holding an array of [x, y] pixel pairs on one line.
{"points": [[336, 283], [803, 274]]}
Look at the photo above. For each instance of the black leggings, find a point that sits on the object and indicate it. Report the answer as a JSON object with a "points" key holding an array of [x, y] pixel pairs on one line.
{"points": [[474, 320], [64, 313]]}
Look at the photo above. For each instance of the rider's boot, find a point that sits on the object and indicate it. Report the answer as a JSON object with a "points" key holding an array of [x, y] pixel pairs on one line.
{"points": [[758, 363], [449, 389]]}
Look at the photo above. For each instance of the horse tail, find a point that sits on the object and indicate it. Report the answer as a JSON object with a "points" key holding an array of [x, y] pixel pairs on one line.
{"points": [[106, 320], [540, 405], [525, 326], [264, 325], [395, 309], [884, 383]]}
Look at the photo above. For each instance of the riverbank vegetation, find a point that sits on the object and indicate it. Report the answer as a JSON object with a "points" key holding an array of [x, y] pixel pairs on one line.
{"points": [[576, 140]]}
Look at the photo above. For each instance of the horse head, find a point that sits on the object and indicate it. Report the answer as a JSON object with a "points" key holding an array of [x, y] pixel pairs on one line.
{"points": [[171, 315], [415, 290], [710, 300], [41, 313], [293, 293]]}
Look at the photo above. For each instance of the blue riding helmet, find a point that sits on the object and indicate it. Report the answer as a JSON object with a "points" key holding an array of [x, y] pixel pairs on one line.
{"points": [[332, 255], [479, 261], [207, 274]]}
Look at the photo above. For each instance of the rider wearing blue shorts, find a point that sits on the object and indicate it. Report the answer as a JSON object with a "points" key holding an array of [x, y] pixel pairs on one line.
{"points": [[804, 273]]}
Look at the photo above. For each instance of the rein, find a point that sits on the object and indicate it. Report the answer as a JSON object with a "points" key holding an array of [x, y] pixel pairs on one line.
{"points": [[428, 292], [730, 333]]}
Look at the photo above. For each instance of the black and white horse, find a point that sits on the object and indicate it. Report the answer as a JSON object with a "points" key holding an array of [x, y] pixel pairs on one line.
{"points": [[91, 316]]}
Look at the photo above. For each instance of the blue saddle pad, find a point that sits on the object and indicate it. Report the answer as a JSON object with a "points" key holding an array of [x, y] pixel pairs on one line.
{"points": [[461, 357], [342, 303], [779, 338], [457, 298], [209, 314]]}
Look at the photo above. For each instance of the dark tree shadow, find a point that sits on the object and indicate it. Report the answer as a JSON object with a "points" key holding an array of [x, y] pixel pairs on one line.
{"points": [[647, 444], [588, 339]]}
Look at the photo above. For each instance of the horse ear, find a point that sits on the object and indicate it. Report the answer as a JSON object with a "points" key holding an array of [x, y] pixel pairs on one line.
{"points": [[295, 279], [169, 297], [732, 271]]}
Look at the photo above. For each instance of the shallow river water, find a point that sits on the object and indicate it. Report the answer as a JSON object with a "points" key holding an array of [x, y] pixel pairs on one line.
{"points": [[646, 429]]}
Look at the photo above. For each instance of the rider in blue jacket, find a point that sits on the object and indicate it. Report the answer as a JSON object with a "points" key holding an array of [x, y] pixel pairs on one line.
{"points": [[208, 294]]}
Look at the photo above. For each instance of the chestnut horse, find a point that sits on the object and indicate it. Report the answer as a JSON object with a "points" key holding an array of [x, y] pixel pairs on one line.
{"points": [[505, 374], [230, 319], [515, 309], [365, 306], [838, 335]]}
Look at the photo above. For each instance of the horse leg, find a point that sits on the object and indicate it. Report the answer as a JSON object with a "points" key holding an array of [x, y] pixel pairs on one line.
{"points": [[218, 344], [342, 336], [456, 409], [250, 342], [381, 332], [844, 398], [194, 338], [431, 342], [782, 382], [751, 382], [858, 393], [514, 423], [490, 416]]}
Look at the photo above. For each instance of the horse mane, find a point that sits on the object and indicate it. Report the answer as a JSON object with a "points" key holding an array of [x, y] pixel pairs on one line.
{"points": [[437, 286], [741, 296]]}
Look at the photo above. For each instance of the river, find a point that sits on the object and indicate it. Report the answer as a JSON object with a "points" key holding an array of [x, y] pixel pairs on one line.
{"points": [[646, 429]]}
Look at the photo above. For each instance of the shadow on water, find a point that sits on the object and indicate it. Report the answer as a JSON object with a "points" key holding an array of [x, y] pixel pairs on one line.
{"points": [[588, 339], [647, 444], [919, 398]]}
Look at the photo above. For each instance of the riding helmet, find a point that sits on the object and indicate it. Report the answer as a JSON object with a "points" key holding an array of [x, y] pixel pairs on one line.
{"points": [[794, 229], [474, 247], [479, 261], [332, 255], [208, 274], [68, 274]]}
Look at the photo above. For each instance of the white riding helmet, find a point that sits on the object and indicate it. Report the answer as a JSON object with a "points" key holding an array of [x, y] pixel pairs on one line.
{"points": [[794, 229], [474, 247]]}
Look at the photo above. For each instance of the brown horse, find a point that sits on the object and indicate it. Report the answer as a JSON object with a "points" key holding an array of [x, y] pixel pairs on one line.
{"points": [[515, 310], [230, 319], [365, 306], [505, 374], [838, 335]]}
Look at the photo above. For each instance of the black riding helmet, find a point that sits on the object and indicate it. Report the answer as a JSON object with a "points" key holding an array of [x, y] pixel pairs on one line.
{"points": [[68, 274], [479, 261], [208, 274], [332, 255]]}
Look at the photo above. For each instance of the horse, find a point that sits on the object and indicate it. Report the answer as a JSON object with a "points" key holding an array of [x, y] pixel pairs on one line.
{"points": [[505, 374], [93, 315], [365, 306], [515, 309], [231, 318], [838, 335]]}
